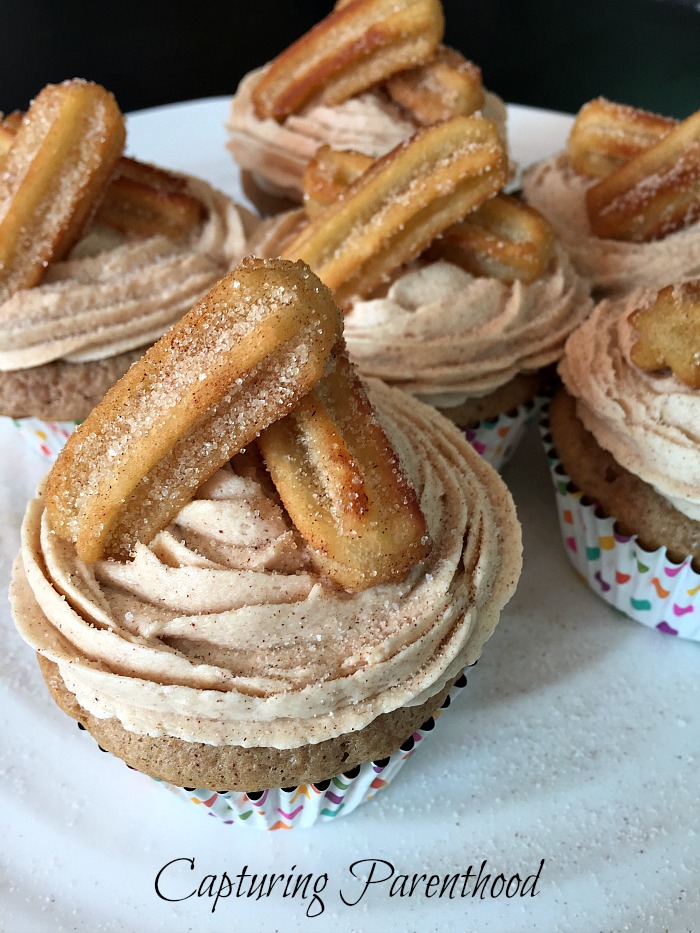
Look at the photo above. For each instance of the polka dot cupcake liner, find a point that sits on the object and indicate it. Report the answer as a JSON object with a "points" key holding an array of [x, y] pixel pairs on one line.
{"points": [[45, 438], [306, 804], [645, 585], [496, 440]]}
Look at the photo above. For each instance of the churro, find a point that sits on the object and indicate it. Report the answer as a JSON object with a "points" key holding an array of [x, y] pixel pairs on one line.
{"points": [[240, 359], [54, 175], [448, 85], [606, 135], [669, 333], [395, 209], [503, 239], [353, 48], [655, 193], [343, 486]]}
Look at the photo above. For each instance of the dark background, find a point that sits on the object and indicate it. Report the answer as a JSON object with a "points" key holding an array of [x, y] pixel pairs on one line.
{"points": [[555, 54]]}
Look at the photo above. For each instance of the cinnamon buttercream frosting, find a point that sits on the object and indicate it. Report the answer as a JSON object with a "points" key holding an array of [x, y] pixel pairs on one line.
{"points": [[613, 266], [649, 422], [114, 294], [220, 632], [445, 335], [278, 153]]}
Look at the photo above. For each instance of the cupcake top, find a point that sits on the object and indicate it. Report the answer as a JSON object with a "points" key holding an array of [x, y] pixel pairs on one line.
{"points": [[100, 253], [363, 79], [614, 267], [449, 301], [625, 196], [115, 292], [648, 420], [221, 631]]}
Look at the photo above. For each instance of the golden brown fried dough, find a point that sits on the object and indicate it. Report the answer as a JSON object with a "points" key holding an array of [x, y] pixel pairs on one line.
{"points": [[353, 48], [395, 209], [143, 200], [240, 359], [343, 486], [606, 135], [655, 193], [446, 86], [669, 333], [328, 174], [503, 238], [54, 175]]}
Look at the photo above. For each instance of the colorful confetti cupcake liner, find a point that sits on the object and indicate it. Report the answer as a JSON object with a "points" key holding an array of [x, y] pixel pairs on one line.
{"points": [[45, 438], [305, 804], [496, 440], [647, 586]]}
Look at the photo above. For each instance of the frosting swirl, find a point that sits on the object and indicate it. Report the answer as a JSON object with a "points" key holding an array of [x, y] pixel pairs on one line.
{"points": [[445, 335], [613, 266], [649, 422], [113, 294], [220, 632]]}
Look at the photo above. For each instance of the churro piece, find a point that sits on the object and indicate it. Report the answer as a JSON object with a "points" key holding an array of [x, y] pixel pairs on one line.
{"points": [[606, 135], [141, 200], [144, 200], [343, 485], [395, 209], [504, 239], [54, 175], [654, 193], [240, 359], [446, 86], [669, 333], [353, 48], [328, 174]]}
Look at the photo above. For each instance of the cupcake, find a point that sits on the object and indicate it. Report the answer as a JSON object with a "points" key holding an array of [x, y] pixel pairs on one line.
{"points": [[622, 442], [452, 290], [364, 79], [624, 197], [277, 661], [101, 254]]}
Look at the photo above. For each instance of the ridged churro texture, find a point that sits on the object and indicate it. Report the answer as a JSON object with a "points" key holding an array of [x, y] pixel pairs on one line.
{"points": [[395, 209], [240, 359], [350, 50], [54, 175], [343, 485]]}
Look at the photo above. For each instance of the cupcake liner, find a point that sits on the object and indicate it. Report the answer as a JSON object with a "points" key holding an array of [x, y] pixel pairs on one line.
{"points": [[44, 438], [302, 806], [645, 585], [496, 440]]}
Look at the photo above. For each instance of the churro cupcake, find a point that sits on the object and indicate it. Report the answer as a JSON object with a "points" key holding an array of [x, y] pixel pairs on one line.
{"points": [[364, 79], [100, 255], [625, 197], [622, 441], [273, 632], [453, 291]]}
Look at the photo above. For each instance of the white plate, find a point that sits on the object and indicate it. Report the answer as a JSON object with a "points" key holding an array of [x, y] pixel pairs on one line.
{"points": [[575, 742]]}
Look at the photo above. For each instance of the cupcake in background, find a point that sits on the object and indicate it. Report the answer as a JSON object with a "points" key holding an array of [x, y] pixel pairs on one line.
{"points": [[624, 197], [464, 302], [272, 630], [364, 79], [623, 442], [100, 255]]}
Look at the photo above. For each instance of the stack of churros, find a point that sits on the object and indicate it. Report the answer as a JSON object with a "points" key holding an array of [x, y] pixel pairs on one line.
{"points": [[364, 79], [625, 196], [99, 254], [252, 574], [453, 290]]}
